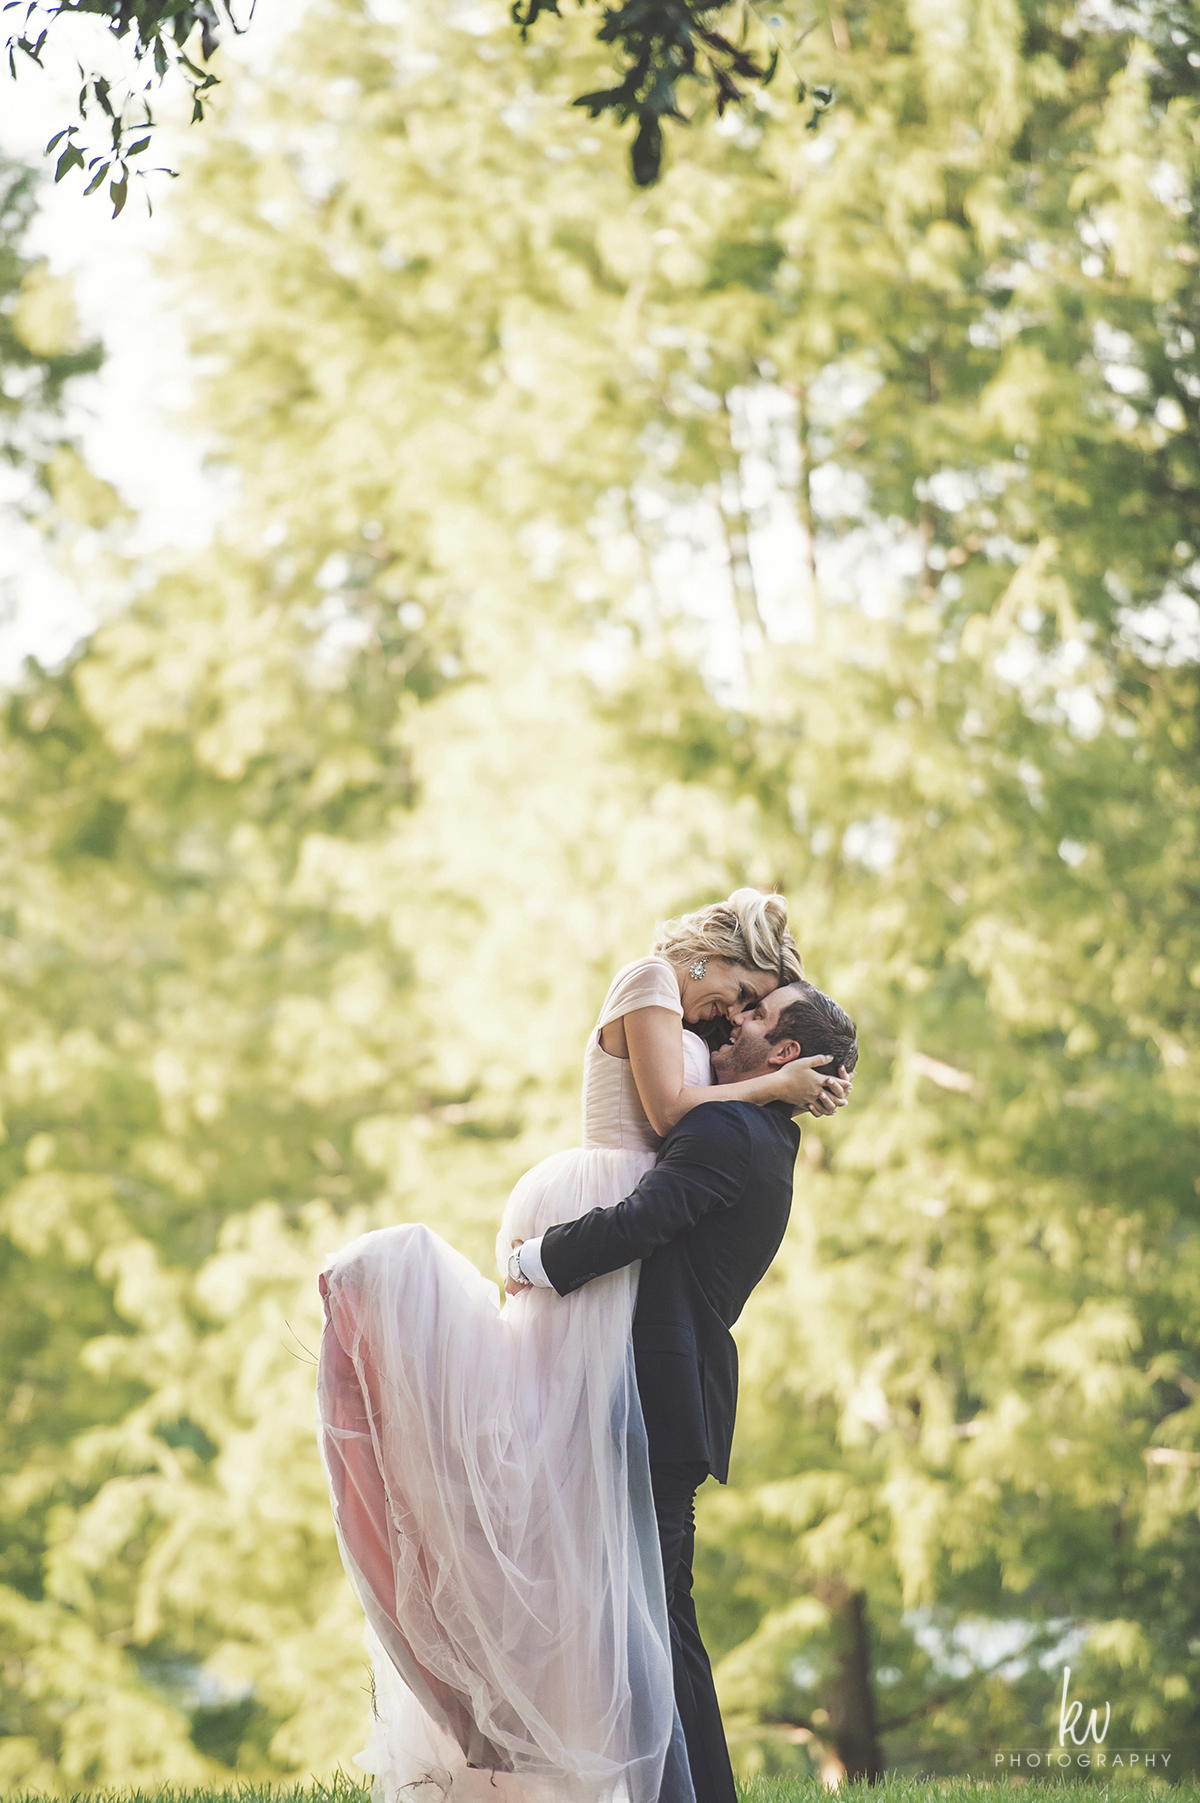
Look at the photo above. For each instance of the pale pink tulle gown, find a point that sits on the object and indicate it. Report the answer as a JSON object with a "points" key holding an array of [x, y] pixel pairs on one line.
{"points": [[490, 1487]]}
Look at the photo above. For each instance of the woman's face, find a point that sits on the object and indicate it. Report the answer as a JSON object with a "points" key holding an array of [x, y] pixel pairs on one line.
{"points": [[723, 989]]}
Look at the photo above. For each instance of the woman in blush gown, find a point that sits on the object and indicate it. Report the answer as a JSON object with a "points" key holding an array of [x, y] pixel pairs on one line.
{"points": [[487, 1464]]}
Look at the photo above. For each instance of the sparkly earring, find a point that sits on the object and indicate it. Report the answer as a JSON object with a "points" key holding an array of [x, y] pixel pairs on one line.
{"points": [[698, 969]]}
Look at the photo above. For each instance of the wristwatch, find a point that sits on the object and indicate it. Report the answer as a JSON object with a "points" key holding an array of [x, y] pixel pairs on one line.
{"points": [[514, 1267]]}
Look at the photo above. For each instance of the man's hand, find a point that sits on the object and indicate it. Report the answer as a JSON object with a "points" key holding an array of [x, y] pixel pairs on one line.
{"points": [[512, 1288]]}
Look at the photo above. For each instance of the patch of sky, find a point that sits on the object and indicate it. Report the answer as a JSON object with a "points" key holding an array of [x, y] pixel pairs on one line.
{"points": [[189, 1684], [1082, 709], [699, 546], [1104, 15], [312, 157], [1166, 633], [702, 399], [476, 20], [681, 539], [125, 417], [1011, 1646], [607, 655], [1007, 273], [338, 632], [951, 490], [542, 543], [984, 333], [523, 111], [1067, 671], [661, 445], [334, 572], [1169, 188], [841, 390], [872, 565], [871, 843], [837, 493], [1116, 352], [42, 613]]}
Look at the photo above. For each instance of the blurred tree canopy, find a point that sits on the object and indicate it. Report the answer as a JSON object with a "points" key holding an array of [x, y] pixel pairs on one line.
{"points": [[659, 45], [40, 353], [823, 516]]}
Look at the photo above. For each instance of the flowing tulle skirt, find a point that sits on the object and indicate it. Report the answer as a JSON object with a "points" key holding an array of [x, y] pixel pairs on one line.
{"points": [[490, 1486]]}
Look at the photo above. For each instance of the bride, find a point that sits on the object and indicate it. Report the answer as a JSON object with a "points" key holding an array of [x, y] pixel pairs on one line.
{"points": [[487, 1464]]}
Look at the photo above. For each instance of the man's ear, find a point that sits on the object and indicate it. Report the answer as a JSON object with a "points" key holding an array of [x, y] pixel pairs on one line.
{"points": [[784, 1052]]}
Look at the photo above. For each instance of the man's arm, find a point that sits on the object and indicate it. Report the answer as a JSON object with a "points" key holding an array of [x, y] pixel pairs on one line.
{"points": [[704, 1165]]}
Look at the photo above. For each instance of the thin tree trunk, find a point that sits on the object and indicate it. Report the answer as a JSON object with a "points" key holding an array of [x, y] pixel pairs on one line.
{"points": [[808, 519], [737, 530], [849, 1698]]}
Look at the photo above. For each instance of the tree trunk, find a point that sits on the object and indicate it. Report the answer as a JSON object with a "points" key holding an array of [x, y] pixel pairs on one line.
{"points": [[848, 1697], [804, 505]]}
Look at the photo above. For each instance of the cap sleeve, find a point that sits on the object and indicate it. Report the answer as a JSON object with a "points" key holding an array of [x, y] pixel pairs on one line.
{"points": [[697, 1071], [649, 983]]}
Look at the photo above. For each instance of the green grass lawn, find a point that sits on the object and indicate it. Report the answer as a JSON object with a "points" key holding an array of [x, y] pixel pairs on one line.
{"points": [[959, 1790], [753, 1790]]}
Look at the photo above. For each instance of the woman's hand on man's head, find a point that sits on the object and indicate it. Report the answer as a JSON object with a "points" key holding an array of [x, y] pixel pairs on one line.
{"points": [[810, 1090]]}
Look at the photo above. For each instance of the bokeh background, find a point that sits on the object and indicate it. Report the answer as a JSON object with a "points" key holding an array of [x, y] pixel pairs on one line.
{"points": [[539, 558]]}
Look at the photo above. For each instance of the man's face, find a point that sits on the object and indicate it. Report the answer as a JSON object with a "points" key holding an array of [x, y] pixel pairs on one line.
{"points": [[748, 1053]]}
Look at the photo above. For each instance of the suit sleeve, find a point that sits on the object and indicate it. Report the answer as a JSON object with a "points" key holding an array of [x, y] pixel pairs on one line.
{"points": [[704, 1165]]}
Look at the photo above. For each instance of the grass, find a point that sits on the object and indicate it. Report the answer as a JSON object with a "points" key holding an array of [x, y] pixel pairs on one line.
{"points": [[965, 1790], [344, 1789]]}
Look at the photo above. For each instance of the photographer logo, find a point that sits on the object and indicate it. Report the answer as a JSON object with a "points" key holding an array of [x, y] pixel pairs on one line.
{"points": [[1067, 1718], [1082, 1752]]}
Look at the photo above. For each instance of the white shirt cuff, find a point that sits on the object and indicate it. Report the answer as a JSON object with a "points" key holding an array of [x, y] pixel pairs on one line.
{"points": [[529, 1257]]}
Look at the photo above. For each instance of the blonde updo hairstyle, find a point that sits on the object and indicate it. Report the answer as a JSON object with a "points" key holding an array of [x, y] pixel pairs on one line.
{"points": [[749, 929]]}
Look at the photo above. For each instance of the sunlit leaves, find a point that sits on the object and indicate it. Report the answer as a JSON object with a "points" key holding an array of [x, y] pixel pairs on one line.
{"points": [[320, 855], [158, 29]]}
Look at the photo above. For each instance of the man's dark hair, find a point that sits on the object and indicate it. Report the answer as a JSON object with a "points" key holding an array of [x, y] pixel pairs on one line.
{"points": [[820, 1026]]}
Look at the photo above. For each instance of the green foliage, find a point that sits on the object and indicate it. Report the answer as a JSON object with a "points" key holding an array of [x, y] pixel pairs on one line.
{"points": [[319, 855], [660, 43], [156, 29], [664, 43], [39, 348]]}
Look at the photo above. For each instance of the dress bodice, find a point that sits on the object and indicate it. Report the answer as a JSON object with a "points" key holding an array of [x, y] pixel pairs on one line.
{"points": [[613, 1115]]}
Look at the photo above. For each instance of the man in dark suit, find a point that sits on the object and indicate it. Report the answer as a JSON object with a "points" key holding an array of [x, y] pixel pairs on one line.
{"points": [[706, 1223]]}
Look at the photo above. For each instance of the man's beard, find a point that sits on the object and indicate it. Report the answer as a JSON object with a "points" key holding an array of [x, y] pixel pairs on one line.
{"points": [[740, 1058]]}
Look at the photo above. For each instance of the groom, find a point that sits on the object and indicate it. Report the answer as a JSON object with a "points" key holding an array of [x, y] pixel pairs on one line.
{"points": [[706, 1222]]}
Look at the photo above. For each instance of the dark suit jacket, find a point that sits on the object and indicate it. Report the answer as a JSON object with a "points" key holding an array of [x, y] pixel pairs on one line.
{"points": [[706, 1222]]}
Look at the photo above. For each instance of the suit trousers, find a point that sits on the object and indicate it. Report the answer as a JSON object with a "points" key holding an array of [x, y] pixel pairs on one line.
{"points": [[675, 1487]]}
